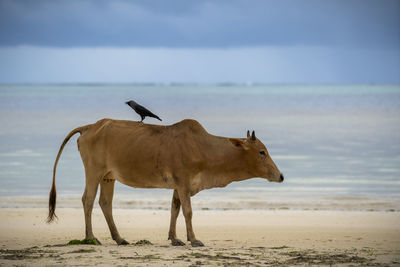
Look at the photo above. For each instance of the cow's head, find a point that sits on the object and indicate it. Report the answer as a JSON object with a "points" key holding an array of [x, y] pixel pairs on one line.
{"points": [[257, 158]]}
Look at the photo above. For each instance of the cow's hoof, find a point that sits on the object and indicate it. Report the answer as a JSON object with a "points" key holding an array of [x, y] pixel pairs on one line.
{"points": [[197, 243], [123, 242], [177, 242], [98, 242]]}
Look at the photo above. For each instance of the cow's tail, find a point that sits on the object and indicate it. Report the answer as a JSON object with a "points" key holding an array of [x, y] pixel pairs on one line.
{"points": [[53, 192]]}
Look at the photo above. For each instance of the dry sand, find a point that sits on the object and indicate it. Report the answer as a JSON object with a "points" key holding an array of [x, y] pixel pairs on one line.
{"points": [[281, 237]]}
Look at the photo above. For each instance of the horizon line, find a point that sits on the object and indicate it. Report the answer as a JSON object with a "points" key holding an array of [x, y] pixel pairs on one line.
{"points": [[195, 83]]}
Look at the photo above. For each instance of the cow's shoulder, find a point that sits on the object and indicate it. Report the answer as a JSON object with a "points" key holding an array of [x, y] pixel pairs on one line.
{"points": [[189, 125]]}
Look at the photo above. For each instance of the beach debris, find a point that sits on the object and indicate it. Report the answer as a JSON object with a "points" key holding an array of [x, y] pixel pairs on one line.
{"points": [[281, 247], [143, 242], [85, 241], [25, 254], [83, 250], [144, 257], [312, 257]]}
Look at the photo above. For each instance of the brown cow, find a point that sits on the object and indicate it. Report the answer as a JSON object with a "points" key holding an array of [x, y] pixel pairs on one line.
{"points": [[182, 156]]}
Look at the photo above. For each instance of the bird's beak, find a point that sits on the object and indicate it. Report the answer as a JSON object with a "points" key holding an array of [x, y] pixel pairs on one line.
{"points": [[127, 103]]}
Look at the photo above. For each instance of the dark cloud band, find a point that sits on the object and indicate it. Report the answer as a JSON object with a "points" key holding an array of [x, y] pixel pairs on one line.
{"points": [[233, 23]]}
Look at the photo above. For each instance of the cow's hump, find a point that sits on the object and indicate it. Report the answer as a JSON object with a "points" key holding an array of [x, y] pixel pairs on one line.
{"points": [[190, 124]]}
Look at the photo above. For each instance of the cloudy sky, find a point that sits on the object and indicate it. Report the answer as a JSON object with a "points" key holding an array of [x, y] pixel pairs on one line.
{"points": [[341, 41]]}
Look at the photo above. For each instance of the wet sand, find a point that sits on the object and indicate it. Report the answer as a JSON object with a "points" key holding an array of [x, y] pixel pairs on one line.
{"points": [[244, 237]]}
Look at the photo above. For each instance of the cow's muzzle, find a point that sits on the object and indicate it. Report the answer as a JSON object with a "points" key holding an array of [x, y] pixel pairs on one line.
{"points": [[281, 178]]}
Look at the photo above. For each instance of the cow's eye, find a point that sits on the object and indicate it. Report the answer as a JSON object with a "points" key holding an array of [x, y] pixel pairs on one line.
{"points": [[262, 153]]}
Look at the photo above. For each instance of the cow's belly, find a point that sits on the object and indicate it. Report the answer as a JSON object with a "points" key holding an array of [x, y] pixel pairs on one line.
{"points": [[144, 180]]}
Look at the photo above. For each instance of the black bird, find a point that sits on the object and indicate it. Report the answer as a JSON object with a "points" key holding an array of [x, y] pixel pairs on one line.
{"points": [[142, 111]]}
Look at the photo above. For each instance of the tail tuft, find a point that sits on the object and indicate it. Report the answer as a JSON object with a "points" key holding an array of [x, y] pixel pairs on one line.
{"points": [[52, 204]]}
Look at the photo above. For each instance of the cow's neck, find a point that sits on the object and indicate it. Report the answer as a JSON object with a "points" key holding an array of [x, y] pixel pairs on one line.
{"points": [[221, 179], [227, 166]]}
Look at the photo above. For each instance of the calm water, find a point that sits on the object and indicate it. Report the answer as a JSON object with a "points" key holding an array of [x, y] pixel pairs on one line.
{"points": [[338, 146]]}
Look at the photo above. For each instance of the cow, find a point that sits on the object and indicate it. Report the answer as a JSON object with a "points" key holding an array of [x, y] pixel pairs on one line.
{"points": [[183, 157]]}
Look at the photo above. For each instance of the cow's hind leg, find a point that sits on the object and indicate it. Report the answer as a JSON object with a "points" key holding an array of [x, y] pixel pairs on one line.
{"points": [[184, 197], [105, 201], [88, 199], [175, 207]]}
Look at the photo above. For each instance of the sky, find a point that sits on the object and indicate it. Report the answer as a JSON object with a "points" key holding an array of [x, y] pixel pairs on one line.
{"points": [[194, 41]]}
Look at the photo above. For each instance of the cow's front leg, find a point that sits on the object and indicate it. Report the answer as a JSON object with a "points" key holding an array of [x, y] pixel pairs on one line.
{"points": [[184, 197], [175, 207]]}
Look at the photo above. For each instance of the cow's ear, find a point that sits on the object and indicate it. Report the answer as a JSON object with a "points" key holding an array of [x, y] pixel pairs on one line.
{"points": [[253, 136], [239, 143]]}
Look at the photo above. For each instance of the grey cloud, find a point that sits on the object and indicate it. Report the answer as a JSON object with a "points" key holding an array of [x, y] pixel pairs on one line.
{"points": [[180, 23]]}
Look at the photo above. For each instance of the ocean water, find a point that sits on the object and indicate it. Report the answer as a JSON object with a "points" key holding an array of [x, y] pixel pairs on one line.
{"points": [[337, 145]]}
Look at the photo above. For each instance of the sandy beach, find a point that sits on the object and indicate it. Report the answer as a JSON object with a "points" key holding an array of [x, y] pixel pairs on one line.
{"points": [[245, 237]]}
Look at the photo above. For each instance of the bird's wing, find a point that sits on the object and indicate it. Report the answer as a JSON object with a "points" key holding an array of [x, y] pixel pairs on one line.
{"points": [[143, 111]]}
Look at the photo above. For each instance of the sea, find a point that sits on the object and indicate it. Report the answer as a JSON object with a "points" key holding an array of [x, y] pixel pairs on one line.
{"points": [[337, 145]]}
